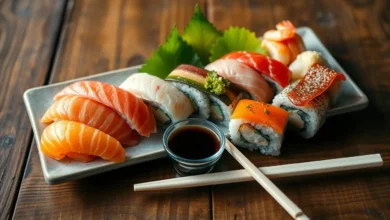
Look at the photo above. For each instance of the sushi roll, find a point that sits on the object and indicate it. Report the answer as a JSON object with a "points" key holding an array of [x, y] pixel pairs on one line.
{"points": [[243, 77], [258, 126], [274, 72], [167, 102], [305, 120], [222, 106], [190, 80], [308, 100]]}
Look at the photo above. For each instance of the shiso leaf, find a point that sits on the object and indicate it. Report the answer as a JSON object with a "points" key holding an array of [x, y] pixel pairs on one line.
{"points": [[236, 39], [172, 53], [201, 34]]}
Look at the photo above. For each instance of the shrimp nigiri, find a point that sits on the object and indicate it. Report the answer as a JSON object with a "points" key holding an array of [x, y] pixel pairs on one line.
{"points": [[283, 44]]}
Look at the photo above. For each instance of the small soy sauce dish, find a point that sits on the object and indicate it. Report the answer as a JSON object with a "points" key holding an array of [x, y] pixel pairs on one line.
{"points": [[194, 145]]}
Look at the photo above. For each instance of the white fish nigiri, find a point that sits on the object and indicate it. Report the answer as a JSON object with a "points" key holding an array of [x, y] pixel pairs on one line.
{"points": [[244, 77], [167, 102]]}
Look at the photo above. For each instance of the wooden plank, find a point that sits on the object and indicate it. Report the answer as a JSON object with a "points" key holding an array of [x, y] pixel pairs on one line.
{"points": [[102, 36], [28, 32], [360, 42]]}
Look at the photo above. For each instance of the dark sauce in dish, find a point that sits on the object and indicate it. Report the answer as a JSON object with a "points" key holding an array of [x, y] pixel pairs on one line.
{"points": [[193, 142]]}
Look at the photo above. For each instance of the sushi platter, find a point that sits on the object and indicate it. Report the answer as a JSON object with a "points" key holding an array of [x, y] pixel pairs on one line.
{"points": [[39, 99]]}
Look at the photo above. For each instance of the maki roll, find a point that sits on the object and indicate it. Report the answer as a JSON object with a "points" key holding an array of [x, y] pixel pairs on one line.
{"points": [[167, 103], [305, 120], [308, 99], [190, 80], [224, 97], [222, 106], [258, 126]]}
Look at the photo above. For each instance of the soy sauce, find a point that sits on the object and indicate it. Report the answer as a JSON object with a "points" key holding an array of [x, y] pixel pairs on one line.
{"points": [[193, 142]]}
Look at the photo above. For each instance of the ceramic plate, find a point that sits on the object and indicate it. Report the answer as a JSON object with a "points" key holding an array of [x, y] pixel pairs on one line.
{"points": [[38, 99]]}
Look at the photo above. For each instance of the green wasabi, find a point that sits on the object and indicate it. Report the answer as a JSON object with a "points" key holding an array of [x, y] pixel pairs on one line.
{"points": [[216, 84]]}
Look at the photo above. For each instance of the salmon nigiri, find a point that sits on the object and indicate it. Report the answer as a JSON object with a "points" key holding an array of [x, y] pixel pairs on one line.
{"points": [[80, 157], [132, 109], [78, 140], [94, 114]]}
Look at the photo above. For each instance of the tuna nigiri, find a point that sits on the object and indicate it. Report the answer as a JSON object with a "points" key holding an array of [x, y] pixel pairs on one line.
{"points": [[66, 137], [276, 73], [94, 114], [132, 109], [244, 77]]}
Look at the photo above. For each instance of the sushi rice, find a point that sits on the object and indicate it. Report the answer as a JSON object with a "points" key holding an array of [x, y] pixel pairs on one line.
{"points": [[304, 120], [221, 111], [255, 137], [199, 100]]}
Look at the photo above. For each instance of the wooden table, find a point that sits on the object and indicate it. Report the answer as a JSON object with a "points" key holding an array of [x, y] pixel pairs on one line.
{"points": [[48, 41]]}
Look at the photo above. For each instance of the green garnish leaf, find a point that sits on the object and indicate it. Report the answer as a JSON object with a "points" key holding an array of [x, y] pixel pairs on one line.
{"points": [[215, 83], [167, 57], [236, 39], [201, 34]]}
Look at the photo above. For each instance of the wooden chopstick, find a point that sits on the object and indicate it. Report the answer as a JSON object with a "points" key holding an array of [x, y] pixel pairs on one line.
{"points": [[287, 170], [269, 186], [296, 169]]}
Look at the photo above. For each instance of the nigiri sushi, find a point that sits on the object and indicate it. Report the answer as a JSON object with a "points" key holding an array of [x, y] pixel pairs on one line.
{"points": [[81, 157], [283, 44], [303, 62], [244, 77], [94, 114], [132, 109], [66, 137], [167, 102], [276, 73], [258, 126]]}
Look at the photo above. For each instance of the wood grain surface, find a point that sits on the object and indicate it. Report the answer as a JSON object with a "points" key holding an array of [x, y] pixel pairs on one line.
{"points": [[28, 35], [101, 36], [98, 36]]}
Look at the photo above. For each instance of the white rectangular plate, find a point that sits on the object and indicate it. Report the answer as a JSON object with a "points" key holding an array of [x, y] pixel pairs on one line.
{"points": [[38, 99]]}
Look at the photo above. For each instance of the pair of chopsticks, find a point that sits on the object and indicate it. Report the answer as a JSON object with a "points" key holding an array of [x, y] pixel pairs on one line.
{"points": [[251, 173], [269, 186]]}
